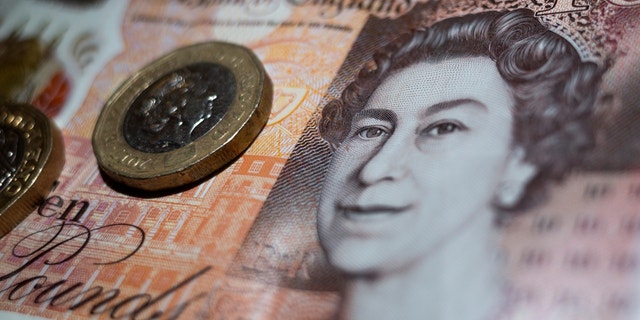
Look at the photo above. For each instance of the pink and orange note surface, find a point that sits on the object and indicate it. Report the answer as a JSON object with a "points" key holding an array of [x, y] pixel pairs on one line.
{"points": [[243, 244]]}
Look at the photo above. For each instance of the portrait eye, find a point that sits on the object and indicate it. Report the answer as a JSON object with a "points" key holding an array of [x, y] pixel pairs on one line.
{"points": [[372, 132], [442, 128]]}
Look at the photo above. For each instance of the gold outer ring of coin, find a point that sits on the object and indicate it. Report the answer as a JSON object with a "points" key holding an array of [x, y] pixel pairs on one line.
{"points": [[40, 164], [225, 141]]}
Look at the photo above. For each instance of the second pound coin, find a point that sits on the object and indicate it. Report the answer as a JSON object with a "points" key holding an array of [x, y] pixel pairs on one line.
{"points": [[31, 159], [183, 117]]}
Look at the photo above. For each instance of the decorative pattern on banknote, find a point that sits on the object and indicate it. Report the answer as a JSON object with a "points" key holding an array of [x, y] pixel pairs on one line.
{"points": [[322, 8], [102, 240], [238, 298], [585, 243]]}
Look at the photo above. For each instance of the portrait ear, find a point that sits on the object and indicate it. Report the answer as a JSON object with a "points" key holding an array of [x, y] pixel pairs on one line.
{"points": [[516, 176]]}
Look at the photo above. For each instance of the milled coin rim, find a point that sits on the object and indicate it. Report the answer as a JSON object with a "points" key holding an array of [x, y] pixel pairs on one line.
{"points": [[226, 140], [49, 161]]}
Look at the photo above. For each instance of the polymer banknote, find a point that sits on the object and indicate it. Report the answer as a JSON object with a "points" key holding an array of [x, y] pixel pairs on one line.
{"points": [[422, 159]]}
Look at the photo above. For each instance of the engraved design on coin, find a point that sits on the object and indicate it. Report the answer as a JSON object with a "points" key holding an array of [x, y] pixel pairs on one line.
{"points": [[182, 117], [31, 159], [179, 108], [12, 147]]}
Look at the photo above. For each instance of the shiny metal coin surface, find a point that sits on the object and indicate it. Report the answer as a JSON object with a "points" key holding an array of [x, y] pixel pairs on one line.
{"points": [[183, 117], [31, 159]]}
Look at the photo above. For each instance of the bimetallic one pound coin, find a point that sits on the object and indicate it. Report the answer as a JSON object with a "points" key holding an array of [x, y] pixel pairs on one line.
{"points": [[183, 117], [31, 159]]}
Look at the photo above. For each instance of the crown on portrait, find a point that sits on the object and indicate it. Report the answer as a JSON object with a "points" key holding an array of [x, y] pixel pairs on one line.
{"points": [[587, 26]]}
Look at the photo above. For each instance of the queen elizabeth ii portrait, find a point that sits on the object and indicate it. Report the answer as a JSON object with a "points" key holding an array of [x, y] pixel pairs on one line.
{"points": [[453, 130]]}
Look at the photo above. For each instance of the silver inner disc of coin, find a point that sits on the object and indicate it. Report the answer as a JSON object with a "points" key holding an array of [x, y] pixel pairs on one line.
{"points": [[179, 107]]}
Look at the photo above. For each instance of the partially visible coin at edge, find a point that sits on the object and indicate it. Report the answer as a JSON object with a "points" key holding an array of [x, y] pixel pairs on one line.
{"points": [[183, 117], [31, 159]]}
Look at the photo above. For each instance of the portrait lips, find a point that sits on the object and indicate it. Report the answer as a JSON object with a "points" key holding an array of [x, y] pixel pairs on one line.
{"points": [[369, 220], [371, 212]]}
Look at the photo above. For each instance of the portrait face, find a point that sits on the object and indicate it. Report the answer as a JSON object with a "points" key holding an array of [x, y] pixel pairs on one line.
{"points": [[420, 165]]}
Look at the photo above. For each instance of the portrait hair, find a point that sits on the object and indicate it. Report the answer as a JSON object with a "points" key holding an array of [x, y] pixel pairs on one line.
{"points": [[554, 91]]}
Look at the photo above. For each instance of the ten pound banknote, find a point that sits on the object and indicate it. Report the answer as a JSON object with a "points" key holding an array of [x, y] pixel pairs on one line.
{"points": [[448, 159]]}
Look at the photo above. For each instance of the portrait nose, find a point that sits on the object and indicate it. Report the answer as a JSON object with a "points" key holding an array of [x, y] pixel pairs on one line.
{"points": [[388, 163]]}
